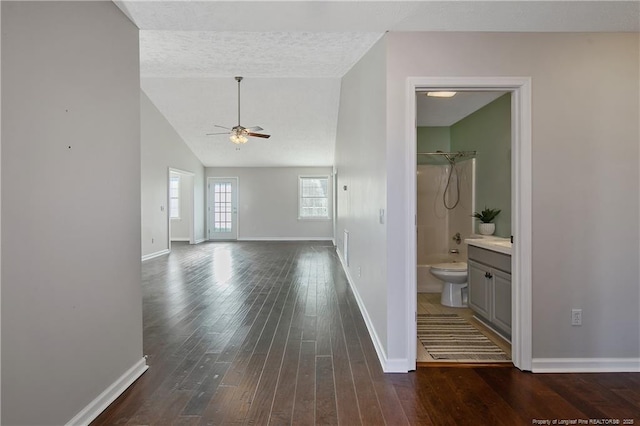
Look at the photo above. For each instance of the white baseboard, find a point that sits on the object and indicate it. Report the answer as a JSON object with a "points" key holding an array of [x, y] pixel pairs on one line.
{"points": [[180, 239], [201, 240], [156, 254], [388, 365], [98, 405], [396, 365], [585, 365], [285, 239]]}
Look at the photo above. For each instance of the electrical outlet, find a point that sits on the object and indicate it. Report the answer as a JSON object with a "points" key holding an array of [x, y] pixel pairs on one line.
{"points": [[576, 317]]}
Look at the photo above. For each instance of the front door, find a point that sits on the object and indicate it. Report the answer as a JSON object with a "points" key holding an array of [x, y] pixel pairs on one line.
{"points": [[223, 208]]}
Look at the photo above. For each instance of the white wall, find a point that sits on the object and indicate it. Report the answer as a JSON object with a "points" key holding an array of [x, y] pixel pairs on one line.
{"points": [[360, 162], [71, 296], [163, 148], [585, 176], [268, 203]]}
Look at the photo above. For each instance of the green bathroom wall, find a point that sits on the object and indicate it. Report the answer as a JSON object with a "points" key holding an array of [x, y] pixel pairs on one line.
{"points": [[431, 139], [488, 131]]}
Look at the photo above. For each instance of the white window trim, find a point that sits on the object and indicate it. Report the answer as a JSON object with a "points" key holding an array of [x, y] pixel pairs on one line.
{"points": [[329, 201]]}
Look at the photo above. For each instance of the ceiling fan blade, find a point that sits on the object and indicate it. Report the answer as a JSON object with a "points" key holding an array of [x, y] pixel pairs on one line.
{"points": [[222, 127], [221, 133], [254, 129], [259, 135]]}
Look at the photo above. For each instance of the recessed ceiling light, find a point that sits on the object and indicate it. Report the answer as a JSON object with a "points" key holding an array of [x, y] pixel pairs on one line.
{"points": [[442, 94]]}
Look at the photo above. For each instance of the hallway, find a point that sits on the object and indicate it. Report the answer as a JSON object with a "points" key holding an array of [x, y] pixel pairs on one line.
{"points": [[270, 333]]}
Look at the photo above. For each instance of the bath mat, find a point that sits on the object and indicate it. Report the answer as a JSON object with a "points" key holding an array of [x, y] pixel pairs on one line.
{"points": [[448, 337]]}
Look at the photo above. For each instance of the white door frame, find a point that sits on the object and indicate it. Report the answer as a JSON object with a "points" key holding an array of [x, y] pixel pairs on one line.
{"points": [[520, 88], [334, 197], [208, 201], [191, 214]]}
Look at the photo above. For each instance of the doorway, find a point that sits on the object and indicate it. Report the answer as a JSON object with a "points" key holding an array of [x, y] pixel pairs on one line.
{"points": [[180, 202], [222, 209], [520, 89], [463, 151]]}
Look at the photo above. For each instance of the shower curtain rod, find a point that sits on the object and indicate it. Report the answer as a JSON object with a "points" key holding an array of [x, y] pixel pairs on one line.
{"points": [[456, 153]]}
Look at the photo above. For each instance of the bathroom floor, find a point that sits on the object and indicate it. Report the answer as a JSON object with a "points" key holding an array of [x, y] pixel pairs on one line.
{"points": [[429, 303]]}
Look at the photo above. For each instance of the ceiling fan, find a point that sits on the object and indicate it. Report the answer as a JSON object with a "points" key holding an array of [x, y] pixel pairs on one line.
{"points": [[239, 133]]}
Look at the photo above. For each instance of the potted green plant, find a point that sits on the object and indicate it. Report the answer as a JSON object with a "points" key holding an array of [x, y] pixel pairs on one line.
{"points": [[486, 217]]}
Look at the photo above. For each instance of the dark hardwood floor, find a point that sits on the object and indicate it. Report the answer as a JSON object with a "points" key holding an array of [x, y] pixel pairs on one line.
{"points": [[270, 333]]}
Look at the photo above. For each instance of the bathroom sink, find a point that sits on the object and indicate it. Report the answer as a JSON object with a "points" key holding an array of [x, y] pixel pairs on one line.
{"points": [[501, 245]]}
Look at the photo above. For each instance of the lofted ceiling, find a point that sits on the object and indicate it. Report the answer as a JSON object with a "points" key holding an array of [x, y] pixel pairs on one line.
{"points": [[293, 55]]}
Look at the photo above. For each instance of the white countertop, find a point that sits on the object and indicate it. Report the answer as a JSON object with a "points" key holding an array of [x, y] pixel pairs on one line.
{"points": [[498, 244]]}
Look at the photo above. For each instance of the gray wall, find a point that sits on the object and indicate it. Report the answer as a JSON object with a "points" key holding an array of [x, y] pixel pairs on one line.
{"points": [[163, 148], [0, 216], [585, 176], [360, 162], [71, 297], [268, 202]]}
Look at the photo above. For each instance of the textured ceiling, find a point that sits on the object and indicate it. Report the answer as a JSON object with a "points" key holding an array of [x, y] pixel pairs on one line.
{"points": [[251, 54], [380, 16], [293, 54]]}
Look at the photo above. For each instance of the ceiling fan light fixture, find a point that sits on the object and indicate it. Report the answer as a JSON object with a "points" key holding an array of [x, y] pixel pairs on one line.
{"points": [[238, 139], [441, 94]]}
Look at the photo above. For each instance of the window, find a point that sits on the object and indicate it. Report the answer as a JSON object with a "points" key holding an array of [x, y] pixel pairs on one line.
{"points": [[222, 206], [314, 197], [174, 197]]}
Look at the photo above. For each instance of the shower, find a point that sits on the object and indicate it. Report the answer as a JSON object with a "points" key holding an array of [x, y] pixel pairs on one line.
{"points": [[450, 157], [440, 231]]}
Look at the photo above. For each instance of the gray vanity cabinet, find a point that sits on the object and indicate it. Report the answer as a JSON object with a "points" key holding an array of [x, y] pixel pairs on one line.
{"points": [[489, 279], [501, 315], [479, 288]]}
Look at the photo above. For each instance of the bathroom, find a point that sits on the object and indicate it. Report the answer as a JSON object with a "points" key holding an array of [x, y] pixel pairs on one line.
{"points": [[464, 166]]}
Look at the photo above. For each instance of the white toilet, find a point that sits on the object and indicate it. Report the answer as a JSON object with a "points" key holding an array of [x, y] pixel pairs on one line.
{"points": [[454, 275]]}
